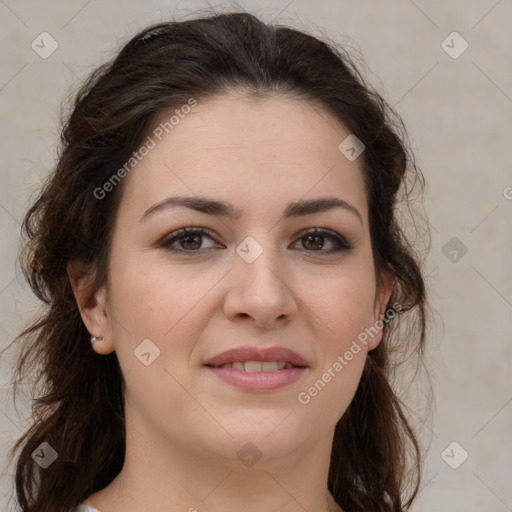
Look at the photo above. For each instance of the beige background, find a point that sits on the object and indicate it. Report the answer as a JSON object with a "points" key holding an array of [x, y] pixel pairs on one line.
{"points": [[459, 115]]}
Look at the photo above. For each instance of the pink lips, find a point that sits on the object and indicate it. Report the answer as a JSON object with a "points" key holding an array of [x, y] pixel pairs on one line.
{"points": [[258, 381]]}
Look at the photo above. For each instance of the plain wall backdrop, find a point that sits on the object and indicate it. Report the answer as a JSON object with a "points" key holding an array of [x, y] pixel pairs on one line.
{"points": [[446, 67]]}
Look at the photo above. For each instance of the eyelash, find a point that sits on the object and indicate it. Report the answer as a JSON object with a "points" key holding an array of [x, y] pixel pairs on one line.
{"points": [[166, 243]]}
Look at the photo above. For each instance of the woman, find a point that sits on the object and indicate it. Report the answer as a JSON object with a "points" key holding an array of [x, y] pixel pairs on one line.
{"points": [[225, 278]]}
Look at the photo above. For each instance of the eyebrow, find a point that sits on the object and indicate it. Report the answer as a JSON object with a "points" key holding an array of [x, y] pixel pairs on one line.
{"points": [[224, 209]]}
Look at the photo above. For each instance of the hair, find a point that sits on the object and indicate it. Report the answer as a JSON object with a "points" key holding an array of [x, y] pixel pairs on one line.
{"points": [[79, 406]]}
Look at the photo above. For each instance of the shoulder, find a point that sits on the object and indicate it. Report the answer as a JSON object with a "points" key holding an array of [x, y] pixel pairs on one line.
{"points": [[84, 508]]}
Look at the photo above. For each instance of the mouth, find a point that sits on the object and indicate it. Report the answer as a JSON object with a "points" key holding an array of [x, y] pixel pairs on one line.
{"points": [[256, 359], [258, 366], [258, 369]]}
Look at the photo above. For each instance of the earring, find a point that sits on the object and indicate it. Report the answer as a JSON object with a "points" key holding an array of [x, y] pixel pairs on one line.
{"points": [[96, 338]]}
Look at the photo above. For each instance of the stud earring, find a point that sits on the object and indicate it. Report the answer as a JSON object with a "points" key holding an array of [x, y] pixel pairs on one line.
{"points": [[96, 338]]}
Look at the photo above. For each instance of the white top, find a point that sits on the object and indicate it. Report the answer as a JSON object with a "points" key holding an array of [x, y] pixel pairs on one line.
{"points": [[85, 508]]}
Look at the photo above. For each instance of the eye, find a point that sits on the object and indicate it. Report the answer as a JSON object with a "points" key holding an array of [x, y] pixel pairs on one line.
{"points": [[313, 240], [190, 240]]}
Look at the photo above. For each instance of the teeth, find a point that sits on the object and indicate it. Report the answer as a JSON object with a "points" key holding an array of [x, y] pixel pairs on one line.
{"points": [[270, 366], [252, 366], [258, 366]]}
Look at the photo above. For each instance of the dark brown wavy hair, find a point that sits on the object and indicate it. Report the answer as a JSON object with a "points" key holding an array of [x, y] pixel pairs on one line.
{"points": [[78, 395]]}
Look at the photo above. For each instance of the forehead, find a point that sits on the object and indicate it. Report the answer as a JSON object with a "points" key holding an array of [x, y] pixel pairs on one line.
{"points": [[251, 152]]}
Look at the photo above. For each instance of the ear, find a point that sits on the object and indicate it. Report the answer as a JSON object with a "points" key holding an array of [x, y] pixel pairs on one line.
{"points": [[382, 295], [93, 310]]}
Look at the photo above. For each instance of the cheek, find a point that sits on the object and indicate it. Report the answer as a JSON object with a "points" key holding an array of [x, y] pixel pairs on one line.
{"points": [[149, 302], [160, 302], [345, 305], [153, 297], [345, 309]]}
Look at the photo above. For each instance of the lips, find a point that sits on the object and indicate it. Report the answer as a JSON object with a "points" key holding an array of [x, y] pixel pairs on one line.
{"points": [[254, 375], [241, 354]]}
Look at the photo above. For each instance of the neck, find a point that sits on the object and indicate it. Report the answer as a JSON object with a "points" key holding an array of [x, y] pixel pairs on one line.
{"points": [[189, 478]]}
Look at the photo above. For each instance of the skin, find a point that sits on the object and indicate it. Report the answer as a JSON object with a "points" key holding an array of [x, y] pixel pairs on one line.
{"points": [[184, 425]]}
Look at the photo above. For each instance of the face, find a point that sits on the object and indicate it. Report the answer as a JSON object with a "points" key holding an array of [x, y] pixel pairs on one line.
{"points": [[253, 274]]}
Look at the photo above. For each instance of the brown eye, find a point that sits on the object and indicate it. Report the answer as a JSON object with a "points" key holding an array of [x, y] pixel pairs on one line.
{"points": [[190, 241], [314, 241]]}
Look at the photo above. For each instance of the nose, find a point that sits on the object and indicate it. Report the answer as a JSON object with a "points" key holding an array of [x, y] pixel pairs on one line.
{"points": [[261, 290]]}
